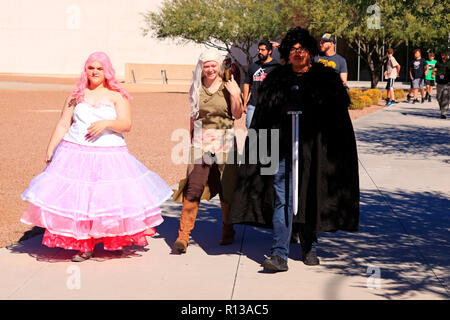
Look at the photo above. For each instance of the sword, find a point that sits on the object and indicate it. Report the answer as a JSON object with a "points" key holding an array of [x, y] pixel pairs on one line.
{"points": [[295, 156]]}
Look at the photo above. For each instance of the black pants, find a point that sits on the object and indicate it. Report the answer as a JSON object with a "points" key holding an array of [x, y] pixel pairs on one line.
{"points": [[306, 233]]}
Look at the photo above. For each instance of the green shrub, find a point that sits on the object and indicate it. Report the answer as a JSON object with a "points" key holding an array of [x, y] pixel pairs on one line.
{"points": [[360, 102], [366, 99], [399, 93], [374, 96], [375, 92], [355, 92]]}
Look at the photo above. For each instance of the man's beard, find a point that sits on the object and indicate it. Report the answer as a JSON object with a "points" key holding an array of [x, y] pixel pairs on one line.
{"points": [[325, 48], [263, 57]]}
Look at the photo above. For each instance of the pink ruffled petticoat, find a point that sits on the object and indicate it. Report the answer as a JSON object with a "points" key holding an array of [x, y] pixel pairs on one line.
{"points": [[88, 195]]}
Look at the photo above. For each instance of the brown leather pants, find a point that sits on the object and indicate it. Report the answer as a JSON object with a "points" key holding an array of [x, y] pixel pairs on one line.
{"points": [[200, 175]]}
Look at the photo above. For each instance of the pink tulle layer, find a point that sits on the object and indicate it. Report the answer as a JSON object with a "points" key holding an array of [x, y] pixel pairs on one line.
{"points": [[89, 193], [109, 243], [85, 229]]}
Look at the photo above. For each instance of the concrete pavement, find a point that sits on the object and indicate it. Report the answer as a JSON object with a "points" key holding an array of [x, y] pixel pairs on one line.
{"points": [[402, 250]]}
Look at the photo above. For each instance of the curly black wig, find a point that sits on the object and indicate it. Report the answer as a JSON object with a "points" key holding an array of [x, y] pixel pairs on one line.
{"points": [[297, 35]]}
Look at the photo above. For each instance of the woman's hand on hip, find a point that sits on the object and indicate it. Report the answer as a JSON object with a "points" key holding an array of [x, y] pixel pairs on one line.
{"points": [[48, 157], [95, 129]]}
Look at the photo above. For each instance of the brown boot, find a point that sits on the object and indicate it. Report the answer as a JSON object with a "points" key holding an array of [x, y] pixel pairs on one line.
{"points": [[227, 229], [187, 222]]}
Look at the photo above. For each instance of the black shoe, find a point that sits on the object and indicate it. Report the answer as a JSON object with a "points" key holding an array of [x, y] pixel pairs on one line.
{"points": [[408, 98], [443, 116], [423, 100], [429, 98], [427, 95], [275, 263], [415, 100], [310, 258]]}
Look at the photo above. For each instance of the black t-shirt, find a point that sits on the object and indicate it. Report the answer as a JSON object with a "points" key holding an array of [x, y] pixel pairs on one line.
{"points": [[418, 68], [256, 74], [443, 72]]}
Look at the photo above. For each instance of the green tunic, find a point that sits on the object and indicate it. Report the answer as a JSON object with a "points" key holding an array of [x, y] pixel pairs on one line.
{"points": [[215, 109], [214, 115]]}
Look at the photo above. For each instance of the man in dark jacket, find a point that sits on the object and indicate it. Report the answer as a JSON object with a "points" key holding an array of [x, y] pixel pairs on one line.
{"points": [[442, 73], [329, 182]]}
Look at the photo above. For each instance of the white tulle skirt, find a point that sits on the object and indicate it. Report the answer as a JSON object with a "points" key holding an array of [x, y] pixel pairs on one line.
{"points": [[88, 195]]}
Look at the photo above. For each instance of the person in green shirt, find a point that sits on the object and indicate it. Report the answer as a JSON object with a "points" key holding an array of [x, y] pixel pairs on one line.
{"points": [[429, 79]]}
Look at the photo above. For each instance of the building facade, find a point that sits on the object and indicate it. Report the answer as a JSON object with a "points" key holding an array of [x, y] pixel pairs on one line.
{"points": [[54, 37]]}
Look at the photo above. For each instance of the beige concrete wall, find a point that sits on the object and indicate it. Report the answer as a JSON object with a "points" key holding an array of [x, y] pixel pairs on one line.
{"points": [[155, 73], [56, 36]]}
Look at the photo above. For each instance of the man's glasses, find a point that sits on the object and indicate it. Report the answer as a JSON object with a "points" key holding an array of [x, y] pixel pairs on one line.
{"points": [[299, 50]]}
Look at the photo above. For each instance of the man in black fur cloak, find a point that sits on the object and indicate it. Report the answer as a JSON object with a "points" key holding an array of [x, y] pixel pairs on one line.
{"points": [[328, 175]]}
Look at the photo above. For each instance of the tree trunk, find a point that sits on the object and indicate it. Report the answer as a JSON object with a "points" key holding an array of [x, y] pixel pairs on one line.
{"points": [[375, 65], [374, 78], [372, 56], [365, 54]]}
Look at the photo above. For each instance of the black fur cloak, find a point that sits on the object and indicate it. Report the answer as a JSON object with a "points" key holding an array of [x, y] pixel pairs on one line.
{"points": [[328, 175]]}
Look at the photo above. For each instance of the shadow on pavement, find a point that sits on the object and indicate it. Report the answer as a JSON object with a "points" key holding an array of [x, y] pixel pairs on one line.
{"points": [[405, 240], [207, 231], [409, 246], [428, 113], [34, 248], [407, 140], [408, 240]]}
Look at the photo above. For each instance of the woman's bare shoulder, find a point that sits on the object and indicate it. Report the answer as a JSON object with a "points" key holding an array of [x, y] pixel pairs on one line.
{"points": [[116, 96]]}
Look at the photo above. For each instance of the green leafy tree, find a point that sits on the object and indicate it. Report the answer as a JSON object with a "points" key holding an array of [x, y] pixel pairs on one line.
{"points": [[373, 26], [368, 27], [222, 24]]}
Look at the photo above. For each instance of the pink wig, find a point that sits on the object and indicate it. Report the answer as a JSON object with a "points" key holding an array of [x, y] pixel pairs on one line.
{"points": [[110, 77]]}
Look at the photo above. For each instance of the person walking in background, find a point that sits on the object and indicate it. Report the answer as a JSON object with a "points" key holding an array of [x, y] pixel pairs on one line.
{"points": [[442, 74], [256, 74], [329, 57], [92, 189], [231, 68], [215, 104], [410, 92], [392, 72], [429, 78], [417, 75]]}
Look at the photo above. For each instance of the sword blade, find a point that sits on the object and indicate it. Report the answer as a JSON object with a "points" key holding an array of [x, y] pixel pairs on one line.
{"points": [[295, 159]]}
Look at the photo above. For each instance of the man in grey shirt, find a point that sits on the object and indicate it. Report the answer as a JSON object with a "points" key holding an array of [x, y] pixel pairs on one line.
{"points": [[330, 58]]}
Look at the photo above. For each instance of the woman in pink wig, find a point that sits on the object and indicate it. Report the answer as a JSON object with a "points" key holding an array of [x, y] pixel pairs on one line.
{"points": [[92, 189]]}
